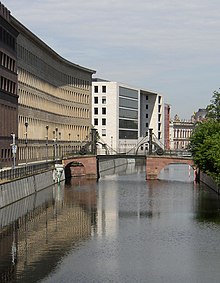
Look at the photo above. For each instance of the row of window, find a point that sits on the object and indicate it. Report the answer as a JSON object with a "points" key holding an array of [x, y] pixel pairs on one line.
{"points": [[96, 89], [96, 111], [96, 100], [128, 93], [48, 70], [7, 62], [96, 121], [125, 134], [46, 103], [7, 38], [36, 83], [182, 133], [8, 119], [37, 129], [8, 85]]}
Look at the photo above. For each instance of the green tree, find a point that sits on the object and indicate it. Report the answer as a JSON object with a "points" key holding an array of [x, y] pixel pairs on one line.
{"points": [[205, 141], [213, 109]]}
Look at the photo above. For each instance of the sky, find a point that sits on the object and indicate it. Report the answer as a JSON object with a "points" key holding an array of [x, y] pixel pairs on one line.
{"points": [[167, 46]]}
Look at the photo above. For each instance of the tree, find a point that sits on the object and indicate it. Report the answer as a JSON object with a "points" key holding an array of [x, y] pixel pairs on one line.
{"points": [[205, 141], [213, 109]]}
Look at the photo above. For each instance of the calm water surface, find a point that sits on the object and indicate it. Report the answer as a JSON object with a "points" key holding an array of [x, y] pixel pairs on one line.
{"points": [[120, 229]]}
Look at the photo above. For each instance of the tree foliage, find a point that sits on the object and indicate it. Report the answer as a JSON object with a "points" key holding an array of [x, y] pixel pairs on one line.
{"points": [[205, 141], [213, 109]]}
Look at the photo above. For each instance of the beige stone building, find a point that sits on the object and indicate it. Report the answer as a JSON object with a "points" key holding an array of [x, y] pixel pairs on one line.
{"points": [[54, 113], [180, 132]]}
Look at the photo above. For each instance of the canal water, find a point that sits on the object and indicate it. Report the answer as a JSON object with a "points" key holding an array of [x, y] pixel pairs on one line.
{"points": [[120, 229]]}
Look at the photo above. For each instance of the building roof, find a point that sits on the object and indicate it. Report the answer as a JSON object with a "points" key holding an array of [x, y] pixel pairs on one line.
{"points": [[21, 28]]}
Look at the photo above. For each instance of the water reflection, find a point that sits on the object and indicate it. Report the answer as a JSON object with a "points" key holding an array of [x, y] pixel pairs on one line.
{"points": [[177, 172], [120, 229]]}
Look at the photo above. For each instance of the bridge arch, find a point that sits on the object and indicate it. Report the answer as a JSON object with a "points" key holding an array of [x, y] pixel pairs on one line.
{"points": [[87, 166], [154, 164]]}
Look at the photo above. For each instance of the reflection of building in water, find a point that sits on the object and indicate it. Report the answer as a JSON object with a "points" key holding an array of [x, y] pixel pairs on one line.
{"points": [[39, 234], [107, 210]]}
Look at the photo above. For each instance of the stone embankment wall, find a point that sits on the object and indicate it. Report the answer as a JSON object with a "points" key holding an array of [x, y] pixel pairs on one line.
{"points": [[209, 182], [18, 189]]}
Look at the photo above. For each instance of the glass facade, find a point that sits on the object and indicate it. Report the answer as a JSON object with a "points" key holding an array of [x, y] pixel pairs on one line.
{"points": [[127, 92], [128, 134], [128, 113], [128, 103]]}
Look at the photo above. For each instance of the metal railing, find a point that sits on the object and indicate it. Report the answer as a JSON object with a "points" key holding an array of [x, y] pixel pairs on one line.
{"points": [[8, 174]]}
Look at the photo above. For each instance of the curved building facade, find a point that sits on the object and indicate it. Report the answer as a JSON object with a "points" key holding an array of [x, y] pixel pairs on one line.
{"points": [[54, 113], [8, 86]]}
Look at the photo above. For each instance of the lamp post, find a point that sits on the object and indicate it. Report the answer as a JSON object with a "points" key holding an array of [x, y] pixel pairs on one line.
{"points": [[55, 144], [26, 141], [47, 127], [59, 148], [14, 149], [78, 142]]}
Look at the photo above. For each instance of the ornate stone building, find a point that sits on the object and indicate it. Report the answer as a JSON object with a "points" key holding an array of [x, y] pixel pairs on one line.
{"points": [[8, 86], [54, 113], [180, 132]]}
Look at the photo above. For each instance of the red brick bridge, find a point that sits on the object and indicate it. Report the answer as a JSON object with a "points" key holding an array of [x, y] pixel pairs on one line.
{"points": [[89, 167], [154, 164], [81, 166]]}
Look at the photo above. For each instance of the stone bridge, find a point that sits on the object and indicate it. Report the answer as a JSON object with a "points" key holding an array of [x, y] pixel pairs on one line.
{"points": [[81, 166], [154, 164], [89, 165]]}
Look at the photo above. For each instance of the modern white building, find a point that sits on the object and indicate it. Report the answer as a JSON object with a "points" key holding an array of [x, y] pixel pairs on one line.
{"points": [[123, 116]]}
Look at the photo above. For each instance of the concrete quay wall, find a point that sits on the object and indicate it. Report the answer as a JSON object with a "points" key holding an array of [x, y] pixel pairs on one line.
{"points": [[108, 164], [209, 182], [15, 190]]}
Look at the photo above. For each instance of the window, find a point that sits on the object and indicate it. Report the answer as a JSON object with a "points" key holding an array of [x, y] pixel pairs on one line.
{"points": [[96, 122], [123, 134], [103, 122], [128, 103], [147, 125], [103, 111], [159, 117], [159, 99], [104, 132], [146, 115], [96, 100], [96, 89], [104, 100], [104, 88], [146, 106], [146, 97], [96, 110]]}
